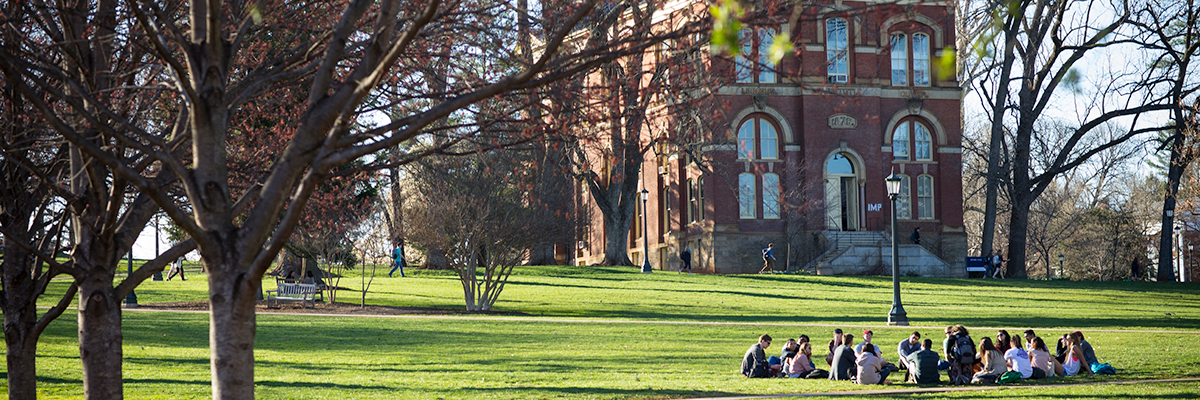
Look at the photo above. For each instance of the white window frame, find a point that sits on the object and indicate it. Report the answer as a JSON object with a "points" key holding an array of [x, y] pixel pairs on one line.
{"points": [[747, 198], [770, 191], [920, 60], [922, 142], [925, 197], [903, 200], [900, 149], [837, 50], [899, 59]]}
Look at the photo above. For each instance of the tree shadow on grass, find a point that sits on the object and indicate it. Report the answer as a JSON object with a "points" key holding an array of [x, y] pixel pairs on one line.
{"points": [[591, 392]]}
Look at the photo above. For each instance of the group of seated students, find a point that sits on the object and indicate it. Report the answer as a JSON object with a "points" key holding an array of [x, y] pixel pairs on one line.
{"points": [[865, 364]]}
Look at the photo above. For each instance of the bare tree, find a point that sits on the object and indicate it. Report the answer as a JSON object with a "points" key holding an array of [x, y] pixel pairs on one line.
{"points": [[1168, 32], [485, 212], [1033, 55], [214, 58]]}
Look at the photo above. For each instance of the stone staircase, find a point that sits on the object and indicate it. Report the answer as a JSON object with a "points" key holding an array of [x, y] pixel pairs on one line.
{"points": [[859, 253]]}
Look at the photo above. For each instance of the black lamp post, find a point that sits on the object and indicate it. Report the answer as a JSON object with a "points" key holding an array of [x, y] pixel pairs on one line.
{"points": [[645, 235], [897, 316], [131, 298], [1060, 258]]}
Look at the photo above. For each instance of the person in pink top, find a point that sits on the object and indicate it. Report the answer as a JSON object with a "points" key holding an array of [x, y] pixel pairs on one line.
{"points": [[800, 365], [871, 370]]}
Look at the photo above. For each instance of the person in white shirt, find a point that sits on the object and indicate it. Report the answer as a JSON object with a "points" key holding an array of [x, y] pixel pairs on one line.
{"points": [[1017, 359], [867, 334]]}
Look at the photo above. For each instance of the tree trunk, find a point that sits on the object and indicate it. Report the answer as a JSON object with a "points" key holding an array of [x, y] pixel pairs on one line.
{"points": [[1166, 241], [100, 337], [231, 329], [616, 235], [21, 361], [1017, 236]]}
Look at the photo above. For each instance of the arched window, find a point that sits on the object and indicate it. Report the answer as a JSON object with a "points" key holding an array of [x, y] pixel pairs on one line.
{"points": [[900, 142], [746, 196], [925, 197], [746, 140], [839, 164], [768, 140], [758, 139], [920, 46], [903, 201], [837, 46], [899, 59], [766, 73], [924, 144], [770, 195]]}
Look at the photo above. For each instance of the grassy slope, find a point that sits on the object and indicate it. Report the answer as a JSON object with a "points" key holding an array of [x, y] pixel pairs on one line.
{"points": [[349, 358]]}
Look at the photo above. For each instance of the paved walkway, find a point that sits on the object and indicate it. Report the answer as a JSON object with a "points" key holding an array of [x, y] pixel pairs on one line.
{"points": [[942, 389], [624, 321]]}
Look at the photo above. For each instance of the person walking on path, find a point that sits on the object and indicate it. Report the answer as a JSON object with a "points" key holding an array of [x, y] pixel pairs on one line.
{"points": [[177, 268], [997, 267], [685, 258], [768, 258], [397, 262]]}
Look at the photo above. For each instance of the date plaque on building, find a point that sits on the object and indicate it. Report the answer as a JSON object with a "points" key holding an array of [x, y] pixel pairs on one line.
{"points": [[842, 121]]}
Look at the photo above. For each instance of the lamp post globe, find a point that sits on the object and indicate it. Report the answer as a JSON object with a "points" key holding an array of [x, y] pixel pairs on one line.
{"points": [[897, 316], [645, 235]]}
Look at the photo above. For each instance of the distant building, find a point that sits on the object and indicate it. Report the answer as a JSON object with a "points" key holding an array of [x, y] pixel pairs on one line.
{"points": [[815, 137]]}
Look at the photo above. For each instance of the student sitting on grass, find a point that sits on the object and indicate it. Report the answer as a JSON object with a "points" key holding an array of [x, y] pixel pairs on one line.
{"points": [[1039, 357], [843, 360], [960, 354], [909, 345], [1073, 362], [801, 364], [1017, 359], [871, 369], [992, 363], [867, 335], [754, 363], [833, 344], [923, 365], [1002, 341]]}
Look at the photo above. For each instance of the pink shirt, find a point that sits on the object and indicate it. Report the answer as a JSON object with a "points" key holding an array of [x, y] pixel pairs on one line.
{"points": [[799, 365]]}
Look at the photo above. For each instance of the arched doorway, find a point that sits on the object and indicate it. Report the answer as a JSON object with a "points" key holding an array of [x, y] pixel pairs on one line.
{"points": [[841, 193]]}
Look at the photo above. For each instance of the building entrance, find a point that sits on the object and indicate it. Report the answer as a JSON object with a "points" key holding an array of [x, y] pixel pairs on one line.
{"points": [[841, 194]]}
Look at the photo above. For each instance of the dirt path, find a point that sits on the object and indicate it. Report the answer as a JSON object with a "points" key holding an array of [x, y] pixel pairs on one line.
{"points": [[348, 310], [945, 389]]}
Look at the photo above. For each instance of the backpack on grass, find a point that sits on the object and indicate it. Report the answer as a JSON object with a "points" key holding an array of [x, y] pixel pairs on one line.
{"points": [[1103, 369], [1009, 377]]}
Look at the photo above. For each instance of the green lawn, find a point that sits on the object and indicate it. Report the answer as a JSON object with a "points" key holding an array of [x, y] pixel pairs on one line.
{"points": [[612, 333]]}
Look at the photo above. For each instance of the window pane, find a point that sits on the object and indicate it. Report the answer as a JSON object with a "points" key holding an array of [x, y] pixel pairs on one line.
{"points": [[839, 164], [691, 190], [925, 196], [769, 143], [920, 59], [746, 140], [899, 60], [900, 142], [923, 142], [770, 196], [746, 195], [766, 72], [903, 203], [836, 45], [743, 67], [700, 195]]}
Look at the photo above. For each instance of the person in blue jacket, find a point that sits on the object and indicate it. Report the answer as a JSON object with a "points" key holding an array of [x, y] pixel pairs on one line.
{"points": [[397, 261]]}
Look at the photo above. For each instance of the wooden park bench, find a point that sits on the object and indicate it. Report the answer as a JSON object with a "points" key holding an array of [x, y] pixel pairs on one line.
{"points": [[305, 293]]}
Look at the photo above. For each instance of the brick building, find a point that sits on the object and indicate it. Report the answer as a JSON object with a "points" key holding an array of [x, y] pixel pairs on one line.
{"points": [[810, 143]]}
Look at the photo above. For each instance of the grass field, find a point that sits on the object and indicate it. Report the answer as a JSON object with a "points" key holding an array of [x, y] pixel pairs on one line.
{"points": [[599, 333]]}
